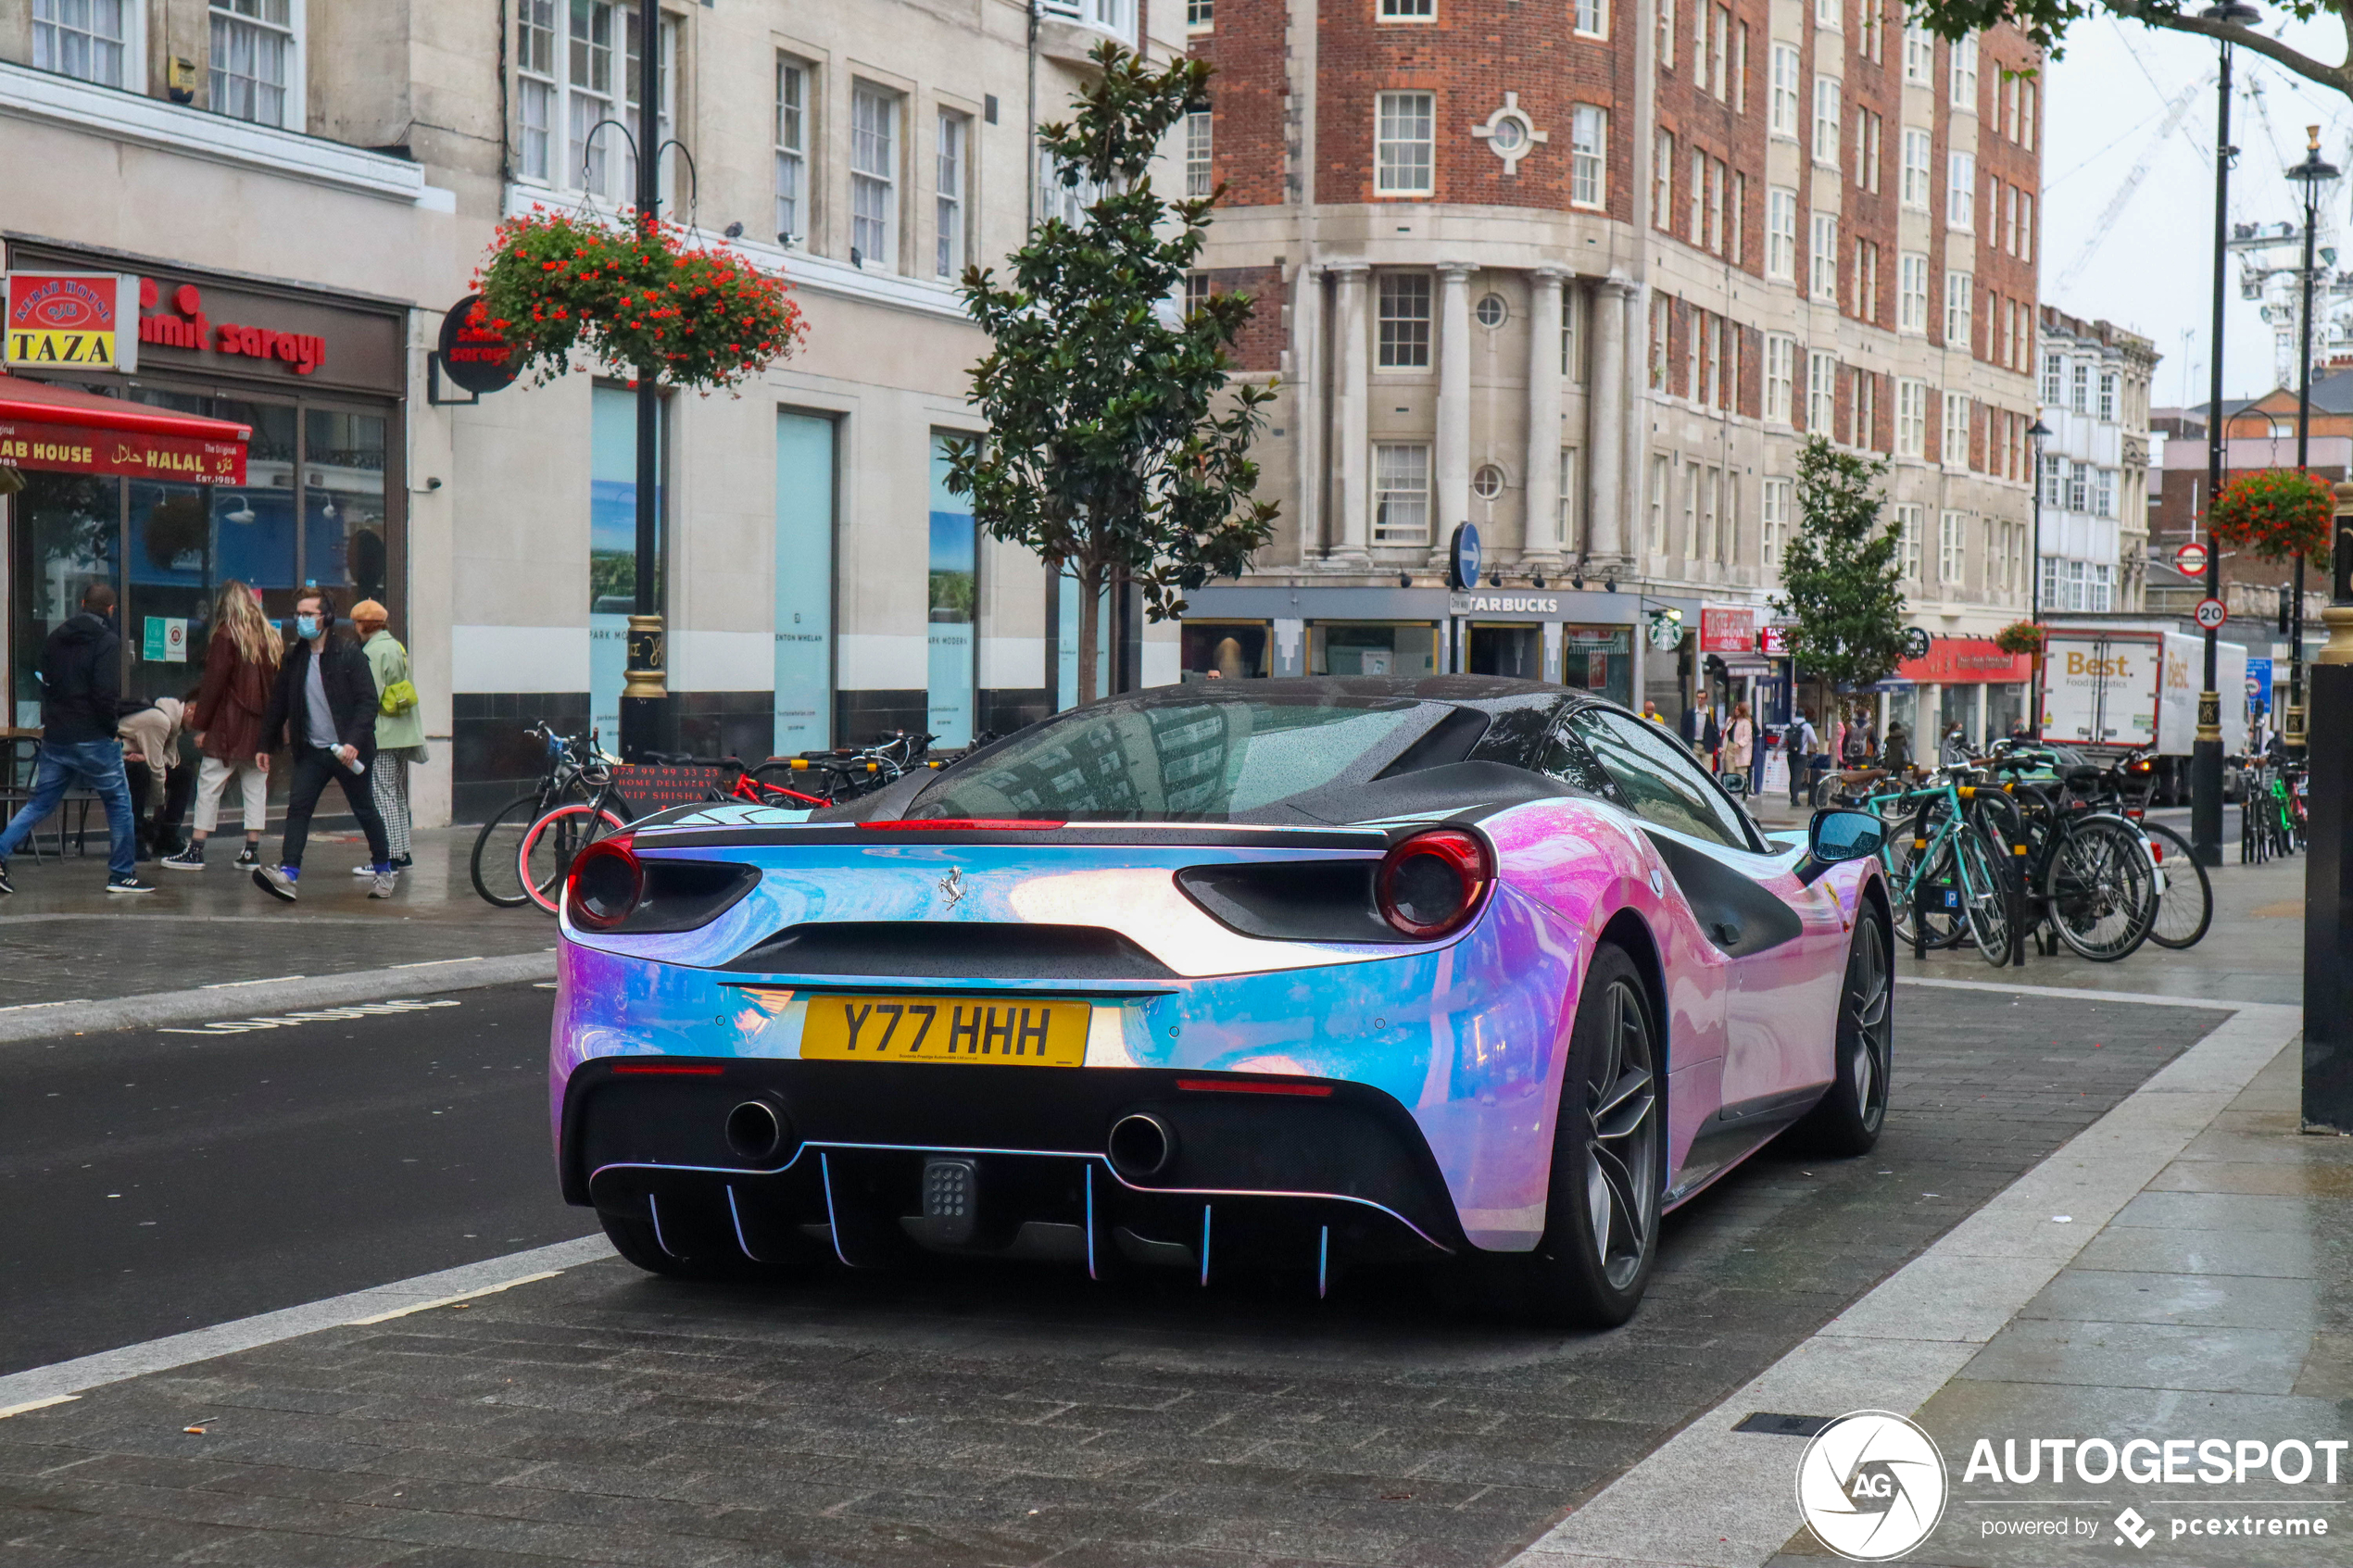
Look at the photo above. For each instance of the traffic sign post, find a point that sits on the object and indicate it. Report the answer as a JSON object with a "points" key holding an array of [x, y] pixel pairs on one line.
{"points": [[2190, 559], [2210, 614]]}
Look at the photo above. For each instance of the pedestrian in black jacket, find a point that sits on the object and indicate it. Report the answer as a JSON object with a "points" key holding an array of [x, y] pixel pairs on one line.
{"points": [[80, 702], [325, 708]]}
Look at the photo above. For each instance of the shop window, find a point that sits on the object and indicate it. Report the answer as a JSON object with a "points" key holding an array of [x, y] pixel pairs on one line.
{"points": [[954, 599], [1401, 494], [874, 177], [1599, 660], [804, 576], [90, 39], [1346, 647], [1226, 650], [257, 61]]}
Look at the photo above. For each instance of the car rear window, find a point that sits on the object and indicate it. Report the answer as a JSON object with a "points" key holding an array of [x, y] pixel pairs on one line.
{"points": [[1201, 761]]}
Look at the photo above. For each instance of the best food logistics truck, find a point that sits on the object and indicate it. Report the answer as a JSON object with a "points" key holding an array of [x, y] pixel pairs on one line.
{"points": [[2107, 687]]}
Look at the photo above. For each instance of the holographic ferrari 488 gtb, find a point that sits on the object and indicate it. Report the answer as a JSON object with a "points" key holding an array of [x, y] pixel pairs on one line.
{"points": [[1224, 976]]}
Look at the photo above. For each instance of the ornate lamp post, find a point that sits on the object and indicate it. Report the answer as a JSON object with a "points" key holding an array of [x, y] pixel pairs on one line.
{"points": [[2037, 434], [2315, 174]]}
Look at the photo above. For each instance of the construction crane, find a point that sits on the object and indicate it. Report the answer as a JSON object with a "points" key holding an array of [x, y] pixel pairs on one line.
{"points": [[2174, 114]]}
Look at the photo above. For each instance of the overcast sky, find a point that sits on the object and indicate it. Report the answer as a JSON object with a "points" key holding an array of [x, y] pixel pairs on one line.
{"points": [[2150, 265]]}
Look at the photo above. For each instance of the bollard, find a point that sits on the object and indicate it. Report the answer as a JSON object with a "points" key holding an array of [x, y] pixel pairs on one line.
{"points": [[2328, 865]]}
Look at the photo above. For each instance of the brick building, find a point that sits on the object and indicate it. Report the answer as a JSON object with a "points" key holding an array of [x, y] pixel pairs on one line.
{"points": [[2260, 432], [1585, 276]]}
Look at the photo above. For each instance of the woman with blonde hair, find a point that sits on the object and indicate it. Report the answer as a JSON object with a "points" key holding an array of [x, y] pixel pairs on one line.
{"points": [[1739, 746], [240, 663]]}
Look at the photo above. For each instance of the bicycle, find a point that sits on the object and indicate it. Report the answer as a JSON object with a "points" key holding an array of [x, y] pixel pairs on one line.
{"points": [[2089, 876], [1948, 868], [578, 772]]}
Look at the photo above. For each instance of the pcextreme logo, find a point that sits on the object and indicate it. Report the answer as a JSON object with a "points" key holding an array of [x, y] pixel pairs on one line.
{"points": [[1871, 1485]]}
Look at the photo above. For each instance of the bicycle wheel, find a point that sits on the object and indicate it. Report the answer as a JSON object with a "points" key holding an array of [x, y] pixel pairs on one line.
{"points": [[1986, 893], [2186, 898], [495, 875], [1936, 882], [544, 859], [2101, 888]]}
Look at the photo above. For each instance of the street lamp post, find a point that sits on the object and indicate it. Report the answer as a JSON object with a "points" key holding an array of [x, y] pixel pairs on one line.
{"points": [[645, 694], [2328, 861], [2205, 756], [2037, 434], [2314, 174]]}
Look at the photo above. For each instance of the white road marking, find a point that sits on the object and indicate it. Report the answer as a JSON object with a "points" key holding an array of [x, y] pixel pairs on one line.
{"points": [[28, 1007], [48, 1384], [233, 984], [1712, 1497], [461, 1296], [7, 1410], [428, 963], [2076, 994], [314, 1015]]}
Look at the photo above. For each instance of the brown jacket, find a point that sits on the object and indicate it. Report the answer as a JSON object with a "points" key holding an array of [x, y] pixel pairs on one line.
{"points": [[229, 704]]}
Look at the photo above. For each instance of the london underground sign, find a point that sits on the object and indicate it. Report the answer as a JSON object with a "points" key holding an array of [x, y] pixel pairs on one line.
{"points": [[2190, 559], [2210, 613]]}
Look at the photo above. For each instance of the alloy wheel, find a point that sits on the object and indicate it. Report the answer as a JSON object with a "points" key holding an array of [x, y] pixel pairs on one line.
{"points": [[1621, 1149]]}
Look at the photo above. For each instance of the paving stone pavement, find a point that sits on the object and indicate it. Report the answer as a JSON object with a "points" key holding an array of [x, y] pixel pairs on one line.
{"points": [[985, 1415]]}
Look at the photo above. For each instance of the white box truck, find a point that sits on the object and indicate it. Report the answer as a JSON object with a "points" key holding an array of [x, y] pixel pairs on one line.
{"points": [[2109, 687]]}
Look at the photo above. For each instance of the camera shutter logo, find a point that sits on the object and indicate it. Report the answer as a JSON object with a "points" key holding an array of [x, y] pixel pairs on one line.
{"points": [[1871, 1485]]}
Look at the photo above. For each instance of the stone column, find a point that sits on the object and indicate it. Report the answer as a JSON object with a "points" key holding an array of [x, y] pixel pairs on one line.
{"points": [[1607, 396], [1541, 546], [1982, 710], [1451, 466], [1305, 378], [1351, 429]]}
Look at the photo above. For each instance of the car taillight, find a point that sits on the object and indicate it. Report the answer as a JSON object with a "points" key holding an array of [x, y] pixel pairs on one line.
{"points": [[1430, 884], [605, 885]]}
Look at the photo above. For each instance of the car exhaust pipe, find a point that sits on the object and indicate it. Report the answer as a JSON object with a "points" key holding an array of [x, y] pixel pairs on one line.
{"points": [[1141, 1145], [756, 1133]]}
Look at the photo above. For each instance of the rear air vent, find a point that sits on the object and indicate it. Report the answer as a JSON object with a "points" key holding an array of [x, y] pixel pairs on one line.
{"points": [[952, 949]]}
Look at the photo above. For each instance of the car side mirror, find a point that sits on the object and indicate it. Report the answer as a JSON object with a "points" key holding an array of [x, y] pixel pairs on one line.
{"points": [[1734, 784], [1836, 834]]}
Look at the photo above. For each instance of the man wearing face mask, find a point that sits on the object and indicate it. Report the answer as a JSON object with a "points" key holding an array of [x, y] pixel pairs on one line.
{"points": [[324, 707], [80, 703]]}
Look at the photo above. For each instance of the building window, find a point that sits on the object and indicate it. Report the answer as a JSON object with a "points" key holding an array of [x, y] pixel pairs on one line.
{"points": [[1911, 291], [1919, 55], [1874, 43], [1964, 73], [1488, 481], [2080, 389], [1667, 34], [1567, 514], [1866, 410], [1960, 289], [1200, 15], [1826, 14], [1408, 10], [955, 138], [2054, 375], [1404, 144], [1952, 547], [873, 176], [1114, 16], [1720, 84], [1662, 180], [2104, 493], [2029, 97], [1490, 311], [1954, 450], [1662, 331], [1960, 191], [1572, 305], [1715, 206], [1693, 474], [1736, 244], [1773, 516], [1404, 321], [88, 39], [2026, 225], [1697, 199], [1911, 419], [1197, 292], [1821, 394], [2107, 396], [1914, 193], [1740, 69], [1662, 477], [1828, 118], [1822, 260], [254, 60], [598, 86], [1868, 128], [1588, 137], [1401, 494], [792, 151], [535, 87], [1199, 185], [1592, 17], [1908, 533], [1781, 232], [1781, 101], [1780, 371]]}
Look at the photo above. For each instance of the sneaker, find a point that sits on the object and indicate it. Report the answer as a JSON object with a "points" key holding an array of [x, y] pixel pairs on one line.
{"points": [[188, 859], [403, 862], [249, 856], [364, 869], [6, 886], [383, 885], [129, 884], [399, 864], [274, 880]]}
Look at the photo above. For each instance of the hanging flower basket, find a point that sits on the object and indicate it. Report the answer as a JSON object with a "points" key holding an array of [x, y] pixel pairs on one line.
{"points": [[632, 295], [2276, 513], [2017, 637]]}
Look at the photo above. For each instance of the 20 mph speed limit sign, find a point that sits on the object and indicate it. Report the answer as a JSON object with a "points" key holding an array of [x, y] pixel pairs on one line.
{"points": [[2210, 613]]}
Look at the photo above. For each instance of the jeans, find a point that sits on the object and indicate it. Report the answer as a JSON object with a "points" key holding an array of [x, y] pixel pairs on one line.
{"points": [[96, 764], [313, 765]]}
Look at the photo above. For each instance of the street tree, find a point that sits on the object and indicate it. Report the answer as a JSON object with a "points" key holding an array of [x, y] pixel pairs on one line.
{"points": [[1842, 574], [1118, 444], [2046, 23]]}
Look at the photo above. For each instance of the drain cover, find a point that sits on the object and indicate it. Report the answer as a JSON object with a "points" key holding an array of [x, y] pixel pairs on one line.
{"points": [[1777, 1426]]}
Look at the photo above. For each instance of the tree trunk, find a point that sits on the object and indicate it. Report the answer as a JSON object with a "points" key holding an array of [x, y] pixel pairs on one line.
{"points": [[1090, 595]]}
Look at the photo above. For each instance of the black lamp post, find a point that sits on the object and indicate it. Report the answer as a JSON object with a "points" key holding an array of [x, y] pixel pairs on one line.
{"points": [[2328, 861], [2314, 174], [2037, 434], [2205, 756], [645, 695]]}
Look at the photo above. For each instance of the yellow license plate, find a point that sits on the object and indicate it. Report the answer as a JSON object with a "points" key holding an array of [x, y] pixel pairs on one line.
{"points": [[1014, 1033]]}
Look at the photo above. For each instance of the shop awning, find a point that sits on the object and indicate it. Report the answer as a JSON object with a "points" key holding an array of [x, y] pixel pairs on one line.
{"points": [[58, 429]]}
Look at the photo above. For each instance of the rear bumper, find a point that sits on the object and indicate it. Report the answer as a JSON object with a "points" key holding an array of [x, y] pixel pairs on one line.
{"points": [[1319, 1171]]}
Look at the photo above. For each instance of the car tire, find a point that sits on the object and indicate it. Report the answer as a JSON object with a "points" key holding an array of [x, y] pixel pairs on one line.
{"points": [[1610, 1160], [1848, 1119]]}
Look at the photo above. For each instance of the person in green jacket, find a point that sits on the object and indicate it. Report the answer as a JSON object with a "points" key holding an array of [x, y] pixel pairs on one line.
{"points": [[400, 727]]}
